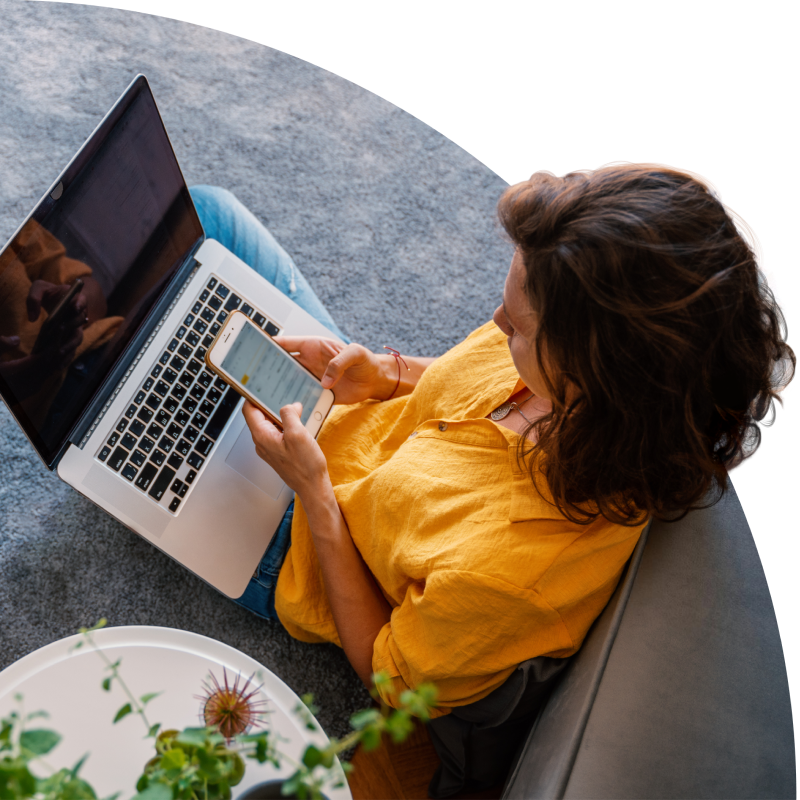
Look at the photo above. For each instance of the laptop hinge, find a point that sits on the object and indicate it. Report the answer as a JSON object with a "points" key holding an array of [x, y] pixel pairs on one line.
{"points": [[134, 352]]}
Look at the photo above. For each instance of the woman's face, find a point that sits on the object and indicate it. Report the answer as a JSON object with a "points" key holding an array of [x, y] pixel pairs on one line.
{"points": [[519, 322]]}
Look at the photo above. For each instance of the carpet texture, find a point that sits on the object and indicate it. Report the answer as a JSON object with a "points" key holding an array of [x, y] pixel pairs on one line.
{"points": [[393, 225]]}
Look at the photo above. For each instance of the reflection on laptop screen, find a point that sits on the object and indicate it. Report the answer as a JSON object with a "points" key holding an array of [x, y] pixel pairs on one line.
{"points": [[123, 226]]}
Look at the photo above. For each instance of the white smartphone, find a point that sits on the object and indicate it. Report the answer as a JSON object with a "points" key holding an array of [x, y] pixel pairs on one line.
{"points": [[260, 369]]}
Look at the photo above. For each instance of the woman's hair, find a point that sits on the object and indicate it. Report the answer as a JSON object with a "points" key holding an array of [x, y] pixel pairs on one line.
{"points": [[659, 340]]}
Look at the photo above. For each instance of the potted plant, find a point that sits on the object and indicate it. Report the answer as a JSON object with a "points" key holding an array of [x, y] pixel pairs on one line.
{"points": [[205, 762]]}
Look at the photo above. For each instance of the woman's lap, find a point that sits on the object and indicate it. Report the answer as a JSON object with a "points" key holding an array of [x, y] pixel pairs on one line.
{"points": [[227, 221]]}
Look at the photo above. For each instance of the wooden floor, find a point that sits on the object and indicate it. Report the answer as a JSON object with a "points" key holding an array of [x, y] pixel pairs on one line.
{"points": [[401, 772]]}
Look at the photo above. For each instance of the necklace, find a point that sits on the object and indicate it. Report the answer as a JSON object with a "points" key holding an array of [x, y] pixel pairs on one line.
{"points": [[501, 412]]}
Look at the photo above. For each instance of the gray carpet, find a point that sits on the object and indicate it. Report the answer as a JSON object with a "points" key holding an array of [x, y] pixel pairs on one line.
{"points": [[393, 224]]}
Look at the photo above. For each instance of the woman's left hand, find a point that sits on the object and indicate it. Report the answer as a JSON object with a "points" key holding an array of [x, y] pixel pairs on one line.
{"points": [[293, 454]]}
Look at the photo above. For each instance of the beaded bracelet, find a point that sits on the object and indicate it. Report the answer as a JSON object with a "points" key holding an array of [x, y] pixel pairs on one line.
{"points": [[398, 358]]}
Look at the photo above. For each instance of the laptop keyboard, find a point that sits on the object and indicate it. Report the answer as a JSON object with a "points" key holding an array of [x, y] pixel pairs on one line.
{"points": [[175, 418]]}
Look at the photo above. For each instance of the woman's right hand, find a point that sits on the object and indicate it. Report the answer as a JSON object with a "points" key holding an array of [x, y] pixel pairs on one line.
{"points": [[351, 371]]}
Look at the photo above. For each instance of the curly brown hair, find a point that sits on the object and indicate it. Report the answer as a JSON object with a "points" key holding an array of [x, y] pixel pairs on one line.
{"points": [[658, 325]]}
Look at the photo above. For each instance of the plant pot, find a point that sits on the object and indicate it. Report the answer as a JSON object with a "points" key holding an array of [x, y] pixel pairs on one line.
{"points": [[268, 790]]}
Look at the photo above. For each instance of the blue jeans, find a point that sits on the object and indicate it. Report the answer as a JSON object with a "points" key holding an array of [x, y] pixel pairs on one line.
{"points": [[225, 219]]}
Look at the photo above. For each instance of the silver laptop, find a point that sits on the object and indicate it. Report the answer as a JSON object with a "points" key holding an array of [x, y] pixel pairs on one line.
{"points": [[135, 422]]}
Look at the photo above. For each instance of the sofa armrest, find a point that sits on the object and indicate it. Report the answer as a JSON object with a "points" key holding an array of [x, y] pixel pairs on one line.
{"points": [[688, 697]]}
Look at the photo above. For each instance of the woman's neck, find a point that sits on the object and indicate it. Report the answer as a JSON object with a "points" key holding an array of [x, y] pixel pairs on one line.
{"points": [[531, 406]]}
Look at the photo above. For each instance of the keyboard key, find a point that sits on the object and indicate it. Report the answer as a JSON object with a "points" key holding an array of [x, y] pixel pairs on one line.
{"points": [[146, 444], [172, 345], [166, 444], [191, 475], [185, 351], [129, 472], [174, 431], [197, 391], [196, 307], [175, 461], [221, 317], [259, 319], [154, 401], [131, 411], [157, 458], [183, 447], [148, 384], [137, 427], [208, 314], [176, 486], [206, 408], [161, 483], [170, 405], [163, 360], [170, 375], [180, 333], [173, 506], [204, 446], [117, 459], [154, 431], [190, 404], [179, 392], [191, 434], [215, 303], [162, 388], [272, 330], [162, 418], [138, 457], [182, 417], [223, 291], [220, 384], [122, 424], [214, 395], [214, 330], [187, 379], [195, 460], [234, 301], [222, 414], [205, 380], [194, 367], [212, 283], [189, 320], [200, 327], [128, 441], [192, 338], [145, 414], [177, 363], [198, 420], [246, 309], [113, 439], [156, 370], [140, 396], [149, 471], [200, 353], [103, 454], [204, 296], [207, 341]]}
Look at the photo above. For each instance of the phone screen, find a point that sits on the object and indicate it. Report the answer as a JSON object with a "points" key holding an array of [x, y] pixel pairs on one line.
{"points": [[270, 375]]}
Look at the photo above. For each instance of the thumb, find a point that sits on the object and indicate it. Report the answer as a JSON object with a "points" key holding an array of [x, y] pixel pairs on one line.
{"points": [[338, 365], [290, 417]]}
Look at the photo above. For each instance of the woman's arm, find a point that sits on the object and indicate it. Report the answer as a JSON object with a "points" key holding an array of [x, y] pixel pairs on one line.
{"points": [[409, 378]]}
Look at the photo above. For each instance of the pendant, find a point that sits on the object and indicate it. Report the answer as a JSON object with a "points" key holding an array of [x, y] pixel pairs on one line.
{"points": [[501, 412]]}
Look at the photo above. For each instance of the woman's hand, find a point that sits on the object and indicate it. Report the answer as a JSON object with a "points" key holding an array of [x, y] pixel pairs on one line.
{"points": [[350, 370], [293, 454]]}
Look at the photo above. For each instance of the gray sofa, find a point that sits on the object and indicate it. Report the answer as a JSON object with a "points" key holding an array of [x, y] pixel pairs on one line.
{"points": [[679, 691]]}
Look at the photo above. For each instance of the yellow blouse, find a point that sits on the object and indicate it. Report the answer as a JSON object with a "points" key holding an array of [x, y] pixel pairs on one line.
{"points": [[481, 572]]}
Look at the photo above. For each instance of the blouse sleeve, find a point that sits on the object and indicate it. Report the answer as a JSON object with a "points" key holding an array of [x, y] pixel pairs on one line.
{"points": [[465, 633]]}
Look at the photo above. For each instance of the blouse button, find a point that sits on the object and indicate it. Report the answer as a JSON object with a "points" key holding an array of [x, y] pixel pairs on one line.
{"points": [[412, 435], [442, 426]]}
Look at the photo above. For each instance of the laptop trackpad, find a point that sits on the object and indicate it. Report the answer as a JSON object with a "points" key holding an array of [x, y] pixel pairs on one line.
{"points": [[244, 459]]}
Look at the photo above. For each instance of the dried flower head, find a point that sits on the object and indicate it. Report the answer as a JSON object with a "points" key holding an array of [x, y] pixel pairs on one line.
{"points": [[232, 709]]}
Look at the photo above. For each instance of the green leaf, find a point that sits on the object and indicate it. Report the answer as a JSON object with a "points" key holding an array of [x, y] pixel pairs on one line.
{"points": [[194, 737], [381, 679], [370, 738], [39, 741], [173, 759], [155, 791], [146, 698], [312, 756], [77, 768], [123, 712], [153, 730], [36, 715], [106, 684], [363, 718]]}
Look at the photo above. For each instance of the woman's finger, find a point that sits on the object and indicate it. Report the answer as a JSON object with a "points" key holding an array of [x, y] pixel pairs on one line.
{"points": [[263, 431], [292, 425], [351, 355]]}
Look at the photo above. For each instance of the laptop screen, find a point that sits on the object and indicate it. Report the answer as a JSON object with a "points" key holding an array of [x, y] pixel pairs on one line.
{"points": [[80, 277]]}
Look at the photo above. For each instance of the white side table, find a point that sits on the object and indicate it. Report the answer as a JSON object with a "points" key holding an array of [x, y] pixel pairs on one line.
{"points": [[66, 683]]}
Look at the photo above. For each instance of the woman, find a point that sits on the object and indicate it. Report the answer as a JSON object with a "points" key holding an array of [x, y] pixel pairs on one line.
{"points": [[458, 516]]}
